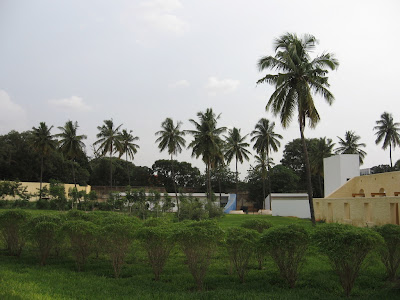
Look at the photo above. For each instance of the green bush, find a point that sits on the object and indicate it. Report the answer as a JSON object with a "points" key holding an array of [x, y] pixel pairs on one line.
{"points": [[156, 237], [82, 237], [12, 226], [117, 238], [198, 240], [256, 224], [287, 245], [240, 243], [390, 250], [346, 247], [191, 209], [259, 225], [44, 235]]}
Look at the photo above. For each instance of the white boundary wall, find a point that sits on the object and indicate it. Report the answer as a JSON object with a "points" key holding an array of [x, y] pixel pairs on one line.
{"points": [[290, 205]]}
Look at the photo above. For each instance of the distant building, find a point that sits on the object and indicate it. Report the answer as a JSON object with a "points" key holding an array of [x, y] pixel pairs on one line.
{"points": [[363, 201]]}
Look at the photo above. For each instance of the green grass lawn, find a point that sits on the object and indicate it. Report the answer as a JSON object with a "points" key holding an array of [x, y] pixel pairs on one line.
{"points": [[23, 278]]}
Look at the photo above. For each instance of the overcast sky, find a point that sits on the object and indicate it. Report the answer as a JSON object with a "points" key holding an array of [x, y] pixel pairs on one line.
{"points": [[139, 62]]}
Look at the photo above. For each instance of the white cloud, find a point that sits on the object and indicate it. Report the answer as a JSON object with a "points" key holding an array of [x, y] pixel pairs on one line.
{"points": [[73, 103], [216, 86], [179, 84], [155, 16], [12, 115]]}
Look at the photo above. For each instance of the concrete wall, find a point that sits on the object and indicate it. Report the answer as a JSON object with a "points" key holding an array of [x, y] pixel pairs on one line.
{"points": [[338, 169], [290, 205], [358, 211], [33, 188], [363, 201]]}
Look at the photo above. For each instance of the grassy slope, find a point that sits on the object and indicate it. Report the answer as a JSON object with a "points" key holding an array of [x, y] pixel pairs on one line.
{"points": [[24, 279]]}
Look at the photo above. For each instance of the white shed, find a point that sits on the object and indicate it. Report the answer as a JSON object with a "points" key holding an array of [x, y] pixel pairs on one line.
{"points": [[289, 204]]}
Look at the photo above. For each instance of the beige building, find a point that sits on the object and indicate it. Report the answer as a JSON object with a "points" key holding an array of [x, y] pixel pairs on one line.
{"points": [[33, 189], [362, 201]]}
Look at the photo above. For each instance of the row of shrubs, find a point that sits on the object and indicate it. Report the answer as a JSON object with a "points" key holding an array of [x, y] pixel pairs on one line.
{"points": [[113, 234], [136, 202]]}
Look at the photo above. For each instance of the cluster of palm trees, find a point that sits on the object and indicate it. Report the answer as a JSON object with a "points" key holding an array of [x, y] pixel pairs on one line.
{"points": [[298, 78], [112, 140]]}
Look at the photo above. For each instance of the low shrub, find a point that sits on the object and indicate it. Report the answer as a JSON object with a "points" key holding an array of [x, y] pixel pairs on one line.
{"points": [[256, 224], [390, 250], [259, 225], [346, 247], [44, 236], [117, 238], [12, 226], [191, 209], [287, 245], [156, 237], [82, 236], [241, 243], [198, 240]]}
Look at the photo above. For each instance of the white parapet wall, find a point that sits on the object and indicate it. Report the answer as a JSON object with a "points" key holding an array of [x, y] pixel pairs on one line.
{"points": [[290, 205], [338, 169]]}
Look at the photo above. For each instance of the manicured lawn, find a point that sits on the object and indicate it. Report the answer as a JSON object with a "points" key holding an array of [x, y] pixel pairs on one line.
{"points": [[23, 278]]}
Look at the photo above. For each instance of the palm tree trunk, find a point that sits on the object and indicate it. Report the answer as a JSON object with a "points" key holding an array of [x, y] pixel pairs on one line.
{"points": [[308, 173], [111, 167], [263, 187], [390, 154], [209, 179], [41, 177], [73, 175], [173, 182], [127, 168], [237, 196], [269, 182]]}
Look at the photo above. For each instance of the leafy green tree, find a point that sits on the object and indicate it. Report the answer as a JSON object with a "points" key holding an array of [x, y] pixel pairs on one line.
{"points": [[235, 147], [70, 144], [128, 147], [350, 145], [108, 141], [171, 138], [388, 132], [207, 142], [186, 175], [266, 140], [43, 142], [298, 79]]}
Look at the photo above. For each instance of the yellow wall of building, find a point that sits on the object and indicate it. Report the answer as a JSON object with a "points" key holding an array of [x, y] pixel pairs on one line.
{"points": [[346, 205], [33, 188], [388, 182]]}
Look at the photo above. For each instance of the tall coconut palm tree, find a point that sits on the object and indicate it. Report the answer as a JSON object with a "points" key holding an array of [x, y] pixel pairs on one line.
{"points": [[172, 139], [70, 144], [207, 142], [350, 145], [42, 142], [388, 132], [299, 78], [108, 141], [321, 149], [128, 147], [235, 147], [266, 140]]}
